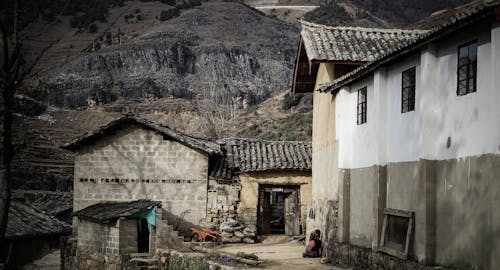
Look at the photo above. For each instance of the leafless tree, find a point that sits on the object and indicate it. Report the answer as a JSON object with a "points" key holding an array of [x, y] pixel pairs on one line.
{"points": [[10, 78], [215, 117]]}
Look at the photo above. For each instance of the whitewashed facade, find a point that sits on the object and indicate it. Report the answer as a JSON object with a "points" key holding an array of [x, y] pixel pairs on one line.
{"points": [[440, 161]]}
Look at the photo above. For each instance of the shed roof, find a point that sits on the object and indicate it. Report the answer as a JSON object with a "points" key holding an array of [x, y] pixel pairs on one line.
{"points": [[248, 155], [49, 202], [25, 221], [438, 26], [203, 145], [106, 211], [353, 44]]}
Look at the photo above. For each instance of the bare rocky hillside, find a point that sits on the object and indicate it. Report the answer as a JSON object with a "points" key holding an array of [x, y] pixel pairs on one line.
{"points": [[226, 52], [213, 70]]}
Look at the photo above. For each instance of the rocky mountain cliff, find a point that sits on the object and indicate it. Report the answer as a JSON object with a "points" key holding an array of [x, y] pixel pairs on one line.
{"points": [[212, 70], [226, 52]]}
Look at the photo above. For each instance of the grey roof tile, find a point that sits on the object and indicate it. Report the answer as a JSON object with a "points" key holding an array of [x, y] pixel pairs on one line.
{"points": [[247, 155], [435, 27], [355, 44], [26, 222], [203, 145]]}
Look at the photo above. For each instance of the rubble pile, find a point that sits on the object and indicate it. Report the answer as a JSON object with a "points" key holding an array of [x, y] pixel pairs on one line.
{"points": [[234, 232]]}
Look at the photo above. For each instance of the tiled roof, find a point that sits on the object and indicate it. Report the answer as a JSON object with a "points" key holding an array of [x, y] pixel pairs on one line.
{"points": [[196, 143], [220, 171], [438, 26], [354, 44], [247, 155], [49, 202], [106, 211], [25, 221]]}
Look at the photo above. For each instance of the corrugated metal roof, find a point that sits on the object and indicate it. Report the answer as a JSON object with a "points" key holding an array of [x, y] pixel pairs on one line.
{"points": [[106, 211]]}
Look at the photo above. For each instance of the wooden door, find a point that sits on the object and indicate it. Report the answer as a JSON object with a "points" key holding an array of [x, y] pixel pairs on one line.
{"points": [[264, 212], [292, 215]]}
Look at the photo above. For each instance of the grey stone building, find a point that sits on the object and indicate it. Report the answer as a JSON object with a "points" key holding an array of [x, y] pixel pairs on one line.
{"points": [[134, 159]]}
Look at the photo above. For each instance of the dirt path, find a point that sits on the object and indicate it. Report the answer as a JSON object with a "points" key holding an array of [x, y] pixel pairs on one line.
{"points": [[280, 253], [51, 261]]}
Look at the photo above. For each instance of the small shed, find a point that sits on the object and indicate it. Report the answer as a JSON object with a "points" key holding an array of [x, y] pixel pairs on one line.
{"points": [[275, 179], [117, 227]]}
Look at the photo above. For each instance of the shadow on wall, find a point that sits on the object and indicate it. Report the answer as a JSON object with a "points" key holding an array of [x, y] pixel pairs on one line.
{"points": [[179, 223]]}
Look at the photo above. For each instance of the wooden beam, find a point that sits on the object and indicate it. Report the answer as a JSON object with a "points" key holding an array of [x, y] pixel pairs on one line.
{"points": [[296, 66]]}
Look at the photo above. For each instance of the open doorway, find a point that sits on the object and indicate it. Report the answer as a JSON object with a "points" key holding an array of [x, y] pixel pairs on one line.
{"points": [[278, 211], [142, 236]]}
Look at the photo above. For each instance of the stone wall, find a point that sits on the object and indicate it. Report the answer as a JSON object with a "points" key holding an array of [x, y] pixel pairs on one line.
{"points": [[250, 181], [135, 163], [68, 246], [115, 238], [71, 259], [222, 202]]}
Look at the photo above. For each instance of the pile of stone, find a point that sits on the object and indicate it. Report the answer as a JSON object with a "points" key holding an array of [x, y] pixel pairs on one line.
{"points": [[234, 232]]}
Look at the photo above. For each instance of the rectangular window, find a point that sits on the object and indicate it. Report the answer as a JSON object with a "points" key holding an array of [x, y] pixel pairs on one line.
{"points": [[467, 68], [361, 109], [408, 90], [397, 230]]}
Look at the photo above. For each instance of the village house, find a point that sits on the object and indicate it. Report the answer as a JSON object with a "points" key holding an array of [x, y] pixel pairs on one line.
{"points": [[137, 185], [134, 159], [275, 180], [324, 54], [406, 146]]}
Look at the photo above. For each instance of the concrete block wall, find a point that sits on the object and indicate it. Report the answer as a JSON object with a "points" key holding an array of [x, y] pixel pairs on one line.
{"points": [[98, 237], [137, 164], [128, 235]]}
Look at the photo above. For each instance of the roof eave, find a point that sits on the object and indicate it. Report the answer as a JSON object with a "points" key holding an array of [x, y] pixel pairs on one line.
{"points": [[446, 30]]}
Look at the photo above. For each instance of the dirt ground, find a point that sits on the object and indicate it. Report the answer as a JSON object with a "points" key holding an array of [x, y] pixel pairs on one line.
{"points": [[51, 261], [279, 252]]}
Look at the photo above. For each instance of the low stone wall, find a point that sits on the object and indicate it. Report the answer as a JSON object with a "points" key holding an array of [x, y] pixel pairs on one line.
{"points": [[72, 258], [358, 258]]}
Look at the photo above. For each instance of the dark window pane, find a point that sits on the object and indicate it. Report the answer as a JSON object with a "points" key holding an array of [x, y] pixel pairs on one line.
{"points": [[395, 233], [467, 68], [407, 89], [463, 52], [473, 51], [361, 107]]}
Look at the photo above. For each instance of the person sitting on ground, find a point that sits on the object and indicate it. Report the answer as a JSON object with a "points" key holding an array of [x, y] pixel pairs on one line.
{"points": [[313, 248]]}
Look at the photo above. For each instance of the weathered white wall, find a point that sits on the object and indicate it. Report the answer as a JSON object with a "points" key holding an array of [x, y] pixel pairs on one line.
{"points": [[357, 143], [138, 164], [392, 136], [450, 189]]}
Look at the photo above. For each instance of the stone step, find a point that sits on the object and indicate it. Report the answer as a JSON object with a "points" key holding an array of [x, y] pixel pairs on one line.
{"points": [[139, 255]]}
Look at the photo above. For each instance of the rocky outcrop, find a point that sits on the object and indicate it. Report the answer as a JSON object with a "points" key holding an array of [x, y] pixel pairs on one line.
{"points": [[222, 51]]}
